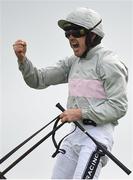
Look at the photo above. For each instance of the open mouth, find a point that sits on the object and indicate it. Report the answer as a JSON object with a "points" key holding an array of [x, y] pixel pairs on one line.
{"points": [[74, 45]]}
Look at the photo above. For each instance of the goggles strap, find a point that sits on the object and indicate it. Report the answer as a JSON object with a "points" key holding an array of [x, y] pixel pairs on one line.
{"points": [[95, 25]]}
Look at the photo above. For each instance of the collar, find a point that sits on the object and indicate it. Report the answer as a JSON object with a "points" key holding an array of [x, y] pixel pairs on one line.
{"points": [[91, 52]]}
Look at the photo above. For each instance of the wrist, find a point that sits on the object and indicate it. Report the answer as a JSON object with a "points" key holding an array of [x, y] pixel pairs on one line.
{"points": [[22, 60]]}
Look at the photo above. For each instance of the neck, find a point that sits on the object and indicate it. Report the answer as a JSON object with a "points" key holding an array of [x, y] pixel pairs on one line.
{"points": [[85, 53]]}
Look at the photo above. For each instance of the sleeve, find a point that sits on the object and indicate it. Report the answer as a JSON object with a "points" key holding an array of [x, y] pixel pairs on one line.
{"points": [[114, 78], [42, 78]]}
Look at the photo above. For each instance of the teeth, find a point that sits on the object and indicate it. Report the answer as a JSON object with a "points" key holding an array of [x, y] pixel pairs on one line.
{"points": [[75, 45]]}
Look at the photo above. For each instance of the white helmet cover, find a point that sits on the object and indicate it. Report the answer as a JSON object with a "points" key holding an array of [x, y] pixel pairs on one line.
{"points": [[84, 17]]}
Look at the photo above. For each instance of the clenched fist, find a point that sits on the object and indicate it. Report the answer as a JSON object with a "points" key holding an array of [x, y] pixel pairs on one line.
{"points": [[20, 50]]}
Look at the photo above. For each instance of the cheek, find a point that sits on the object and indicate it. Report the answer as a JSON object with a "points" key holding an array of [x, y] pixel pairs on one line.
{"points": [[83, 43], [83, 46]]}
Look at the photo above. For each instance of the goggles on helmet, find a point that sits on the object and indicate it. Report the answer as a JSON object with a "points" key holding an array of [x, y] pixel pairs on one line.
{"points": [[77, 33]]}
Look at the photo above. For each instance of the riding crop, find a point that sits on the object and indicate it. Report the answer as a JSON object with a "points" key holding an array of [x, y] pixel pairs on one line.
{"points": [[99, 145]]}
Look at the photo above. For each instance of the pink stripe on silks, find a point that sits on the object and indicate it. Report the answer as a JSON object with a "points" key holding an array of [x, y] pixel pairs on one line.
{"points": [[86, 88]]}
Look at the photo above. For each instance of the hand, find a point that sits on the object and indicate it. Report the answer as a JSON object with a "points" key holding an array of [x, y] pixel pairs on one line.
{"points": [[20, 50], [71, 115]]}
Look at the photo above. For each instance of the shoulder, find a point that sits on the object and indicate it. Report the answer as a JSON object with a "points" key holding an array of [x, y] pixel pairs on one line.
{"points": [[67, 63], [68, 60], [111, 64]]}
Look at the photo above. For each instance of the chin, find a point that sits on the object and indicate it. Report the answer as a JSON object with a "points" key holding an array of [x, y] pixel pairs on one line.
{"points": [[78, 55], [81, 55]]}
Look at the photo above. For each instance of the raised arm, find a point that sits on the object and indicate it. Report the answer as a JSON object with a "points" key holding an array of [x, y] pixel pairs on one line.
{"points": [[44, 77]]}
